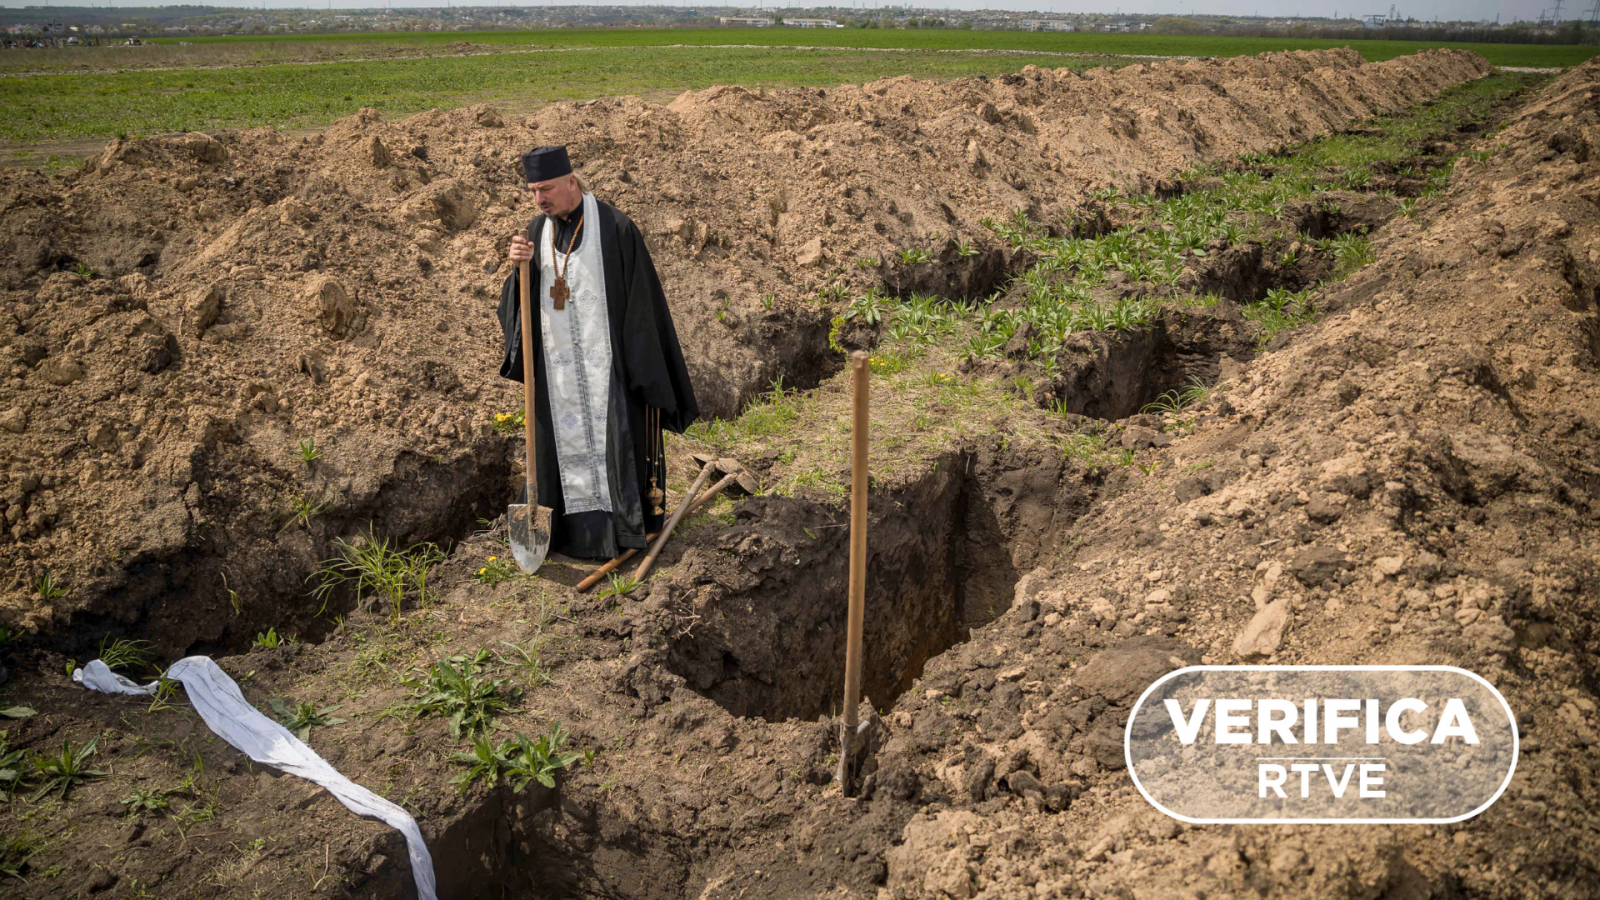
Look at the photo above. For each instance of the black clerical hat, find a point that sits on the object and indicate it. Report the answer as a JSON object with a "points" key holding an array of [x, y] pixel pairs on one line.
{"points": [[545, 163]]}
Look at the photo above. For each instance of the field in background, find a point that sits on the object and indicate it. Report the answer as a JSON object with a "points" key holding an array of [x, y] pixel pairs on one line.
{"points": [[102, 106], [1035, 41], [87, 95]]}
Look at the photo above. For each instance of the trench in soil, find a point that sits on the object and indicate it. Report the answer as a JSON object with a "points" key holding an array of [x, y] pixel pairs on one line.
{"points": [[946, 549]]}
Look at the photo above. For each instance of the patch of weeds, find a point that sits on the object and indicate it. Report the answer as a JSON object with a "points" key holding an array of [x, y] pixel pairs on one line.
{"points": [[308, 452], [495, 570], [869, 307], [122, 653], [524, 661], [1407, 208], [13, 769], [301, 511], [1281, 310], [618, 585], [520, 760], [867, 262], [1176, 401], [68, 770], [379, 569], [272, 641], [300, 718], [912, 256], [1351, 252], [456, 687], [15, 851], [768, 301], [166, 693], [511, 422], [48, 589], [146, 802], [888, 363], [84, 271]]}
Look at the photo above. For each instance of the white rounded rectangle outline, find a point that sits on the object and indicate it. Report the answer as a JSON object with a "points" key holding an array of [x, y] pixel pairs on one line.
{"points": [[1127, 744]]}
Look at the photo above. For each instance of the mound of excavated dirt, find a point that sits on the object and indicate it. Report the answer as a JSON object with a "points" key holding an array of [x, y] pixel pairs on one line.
{"points": [[1413, 481], [255, 291]]}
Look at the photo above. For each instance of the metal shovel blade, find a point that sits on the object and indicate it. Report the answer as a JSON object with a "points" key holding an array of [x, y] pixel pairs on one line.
{"points": [[530, 534]]}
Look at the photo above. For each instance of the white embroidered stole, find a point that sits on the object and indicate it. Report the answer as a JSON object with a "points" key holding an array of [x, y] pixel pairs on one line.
{"points": [[577, 364]]}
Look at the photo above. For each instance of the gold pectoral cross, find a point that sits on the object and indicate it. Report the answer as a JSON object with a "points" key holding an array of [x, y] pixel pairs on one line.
{"points": [[559, 293]]}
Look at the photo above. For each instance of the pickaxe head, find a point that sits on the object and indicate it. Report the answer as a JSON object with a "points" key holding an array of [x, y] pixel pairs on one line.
{"points": [[731, 470]]}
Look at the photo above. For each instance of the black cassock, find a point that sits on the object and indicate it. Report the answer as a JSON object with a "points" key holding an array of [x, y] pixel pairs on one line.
{"points": [[647, 370]]}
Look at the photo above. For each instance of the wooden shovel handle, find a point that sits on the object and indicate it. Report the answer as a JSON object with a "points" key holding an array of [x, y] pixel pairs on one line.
{"points": [[525, 290], [666, 530], [859, 377], [607, 567]]}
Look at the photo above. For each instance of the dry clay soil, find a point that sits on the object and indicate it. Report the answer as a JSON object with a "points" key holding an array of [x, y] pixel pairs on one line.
{"points": [[1411, 480], [257, 291]]}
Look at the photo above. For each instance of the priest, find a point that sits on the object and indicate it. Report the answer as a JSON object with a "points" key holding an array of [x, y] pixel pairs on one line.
{"points": [[608, 373]]}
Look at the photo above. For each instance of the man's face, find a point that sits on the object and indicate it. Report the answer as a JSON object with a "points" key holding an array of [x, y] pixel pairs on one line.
{"points": [[558, 196]]}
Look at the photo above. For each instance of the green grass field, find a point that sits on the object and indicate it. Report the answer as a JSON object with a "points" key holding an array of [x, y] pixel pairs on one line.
{"points": [[233, 82], [79, 107], [1038, 42]]}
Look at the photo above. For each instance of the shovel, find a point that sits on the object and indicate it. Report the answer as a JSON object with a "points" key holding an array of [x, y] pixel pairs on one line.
{"points": [[529, 522]]}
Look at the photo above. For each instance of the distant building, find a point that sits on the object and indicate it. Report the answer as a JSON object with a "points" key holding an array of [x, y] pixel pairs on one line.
{"points": [[745, 21], [811, 23], [1048, 25]]}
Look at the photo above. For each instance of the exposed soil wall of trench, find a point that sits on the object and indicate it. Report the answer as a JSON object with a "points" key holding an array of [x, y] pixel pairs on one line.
{"points": [[945, 550]]}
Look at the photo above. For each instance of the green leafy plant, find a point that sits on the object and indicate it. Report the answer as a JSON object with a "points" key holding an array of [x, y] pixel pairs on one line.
{"points": [[867, 262], [524, 660], [48, 589], [511, 422], [13, 769], [538, 760], [496, 569], [965, 249], [271, 640], [64, 772], [768, 300], [455, 687], [301, 511], [308, 451], [122, 653], [378, 569], [912, 256], [300, 718], [166, 693], [618, 585], [520, 760], [84, 271], [146, 802], [1176, 401]]}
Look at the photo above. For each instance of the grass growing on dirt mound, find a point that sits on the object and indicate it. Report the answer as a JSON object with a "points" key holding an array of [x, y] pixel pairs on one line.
{"points": [[931, 389]]}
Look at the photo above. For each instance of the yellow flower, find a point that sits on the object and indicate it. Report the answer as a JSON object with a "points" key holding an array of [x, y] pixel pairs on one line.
{"points": [[493, 558], [483, 570]]}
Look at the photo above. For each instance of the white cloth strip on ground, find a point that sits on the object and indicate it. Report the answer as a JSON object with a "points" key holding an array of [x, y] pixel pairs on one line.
{"points": [[218, 700]]}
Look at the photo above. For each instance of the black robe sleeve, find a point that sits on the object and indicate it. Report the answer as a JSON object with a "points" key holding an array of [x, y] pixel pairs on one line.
{"points": [[652, 360]]}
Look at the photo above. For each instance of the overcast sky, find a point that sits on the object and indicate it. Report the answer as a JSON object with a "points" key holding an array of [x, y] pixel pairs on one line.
{"points": [[1508, 10]]}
